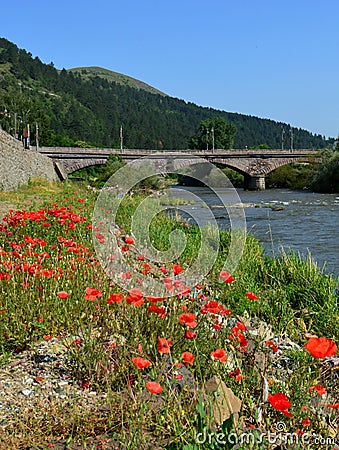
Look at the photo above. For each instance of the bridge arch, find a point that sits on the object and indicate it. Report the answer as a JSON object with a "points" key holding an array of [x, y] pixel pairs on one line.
{"points": [[253, 164]]}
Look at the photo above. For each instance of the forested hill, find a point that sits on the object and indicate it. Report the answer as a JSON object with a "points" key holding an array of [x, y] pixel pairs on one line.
{"points": [[87, 106]]}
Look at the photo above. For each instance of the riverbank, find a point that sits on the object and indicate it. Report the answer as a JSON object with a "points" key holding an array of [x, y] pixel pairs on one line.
{"points": [[119, 368]]}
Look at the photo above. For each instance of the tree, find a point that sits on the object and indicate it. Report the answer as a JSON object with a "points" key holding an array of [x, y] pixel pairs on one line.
{"points": [[326, 178], [213, 133]]}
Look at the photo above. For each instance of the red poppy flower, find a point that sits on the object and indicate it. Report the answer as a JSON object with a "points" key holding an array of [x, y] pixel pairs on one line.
{"points": [[126, 275], [188, 319], [141, 363], [280, 402], [273, 346], [251, 296], [306, 422], [129, 240], [159, 310], [168, 284], [184, 291], [77, 342], [330, 405], [153, 299], [177, 269], [190, 335], [321, 347], [92, 293], [188, 358], [213, 307], [220, 354], [164, 345], [318, 388], [153, 387], [115, 298], [135, 298], [227, 277], [62, 294]]}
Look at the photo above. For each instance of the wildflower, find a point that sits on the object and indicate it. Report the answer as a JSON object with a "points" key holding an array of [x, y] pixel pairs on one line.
{"points": [[190, 335], [184, 291], [141, 363], [188, 319], [153, 299], [235, 374], [177, 269], [272, 345], [63, 294], [129, 240], [92, 293], [220, 354], [321, 347], [336, 406], [159, 310], [115, 298], [281, 403], [188, 358], [164, 345], [251, 296], [48, 337], [168, 284], [135, 297], [306, 422], [227, 277], [318, 388], [126, 275], [153, 387], [77, 342]]}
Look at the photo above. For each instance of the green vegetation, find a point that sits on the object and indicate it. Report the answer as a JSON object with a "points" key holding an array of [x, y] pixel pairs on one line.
{"points": [[52, 285], [87, 106], [326, 177], [213, 133], [291, 176]]}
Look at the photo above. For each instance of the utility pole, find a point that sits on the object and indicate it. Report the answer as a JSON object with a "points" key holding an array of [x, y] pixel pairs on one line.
{"points": [[291, 138], [121, 137], [37, 136], [212, 139], [207, 133], [282, 138]]}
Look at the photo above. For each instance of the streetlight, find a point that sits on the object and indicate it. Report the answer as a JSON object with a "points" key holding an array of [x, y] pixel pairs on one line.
{"points": [[282, 138], [291, 138], [212, 130]]}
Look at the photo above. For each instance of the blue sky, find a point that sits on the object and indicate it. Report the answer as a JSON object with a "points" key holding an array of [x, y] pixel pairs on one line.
{"points": [[275, 59]]}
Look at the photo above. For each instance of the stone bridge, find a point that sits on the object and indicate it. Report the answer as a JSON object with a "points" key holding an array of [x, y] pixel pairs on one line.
{"points": [[253, 164]]}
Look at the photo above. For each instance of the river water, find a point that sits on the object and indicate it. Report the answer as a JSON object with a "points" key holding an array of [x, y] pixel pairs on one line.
{"points": [[303, 221]]}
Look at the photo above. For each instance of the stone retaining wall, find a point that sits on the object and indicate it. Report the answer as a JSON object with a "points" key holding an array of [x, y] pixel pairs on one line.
{"points": [[18, 166]]}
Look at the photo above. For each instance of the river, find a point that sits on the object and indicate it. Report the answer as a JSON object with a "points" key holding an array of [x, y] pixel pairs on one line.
{"points": [[303, 221]]}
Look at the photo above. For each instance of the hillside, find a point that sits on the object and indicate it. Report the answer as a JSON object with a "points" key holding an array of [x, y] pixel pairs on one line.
{"points": [[87, 107], [114, 77]]}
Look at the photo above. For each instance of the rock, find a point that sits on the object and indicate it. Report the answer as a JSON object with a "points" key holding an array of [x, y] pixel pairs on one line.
{"points": [[223, 402]]}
